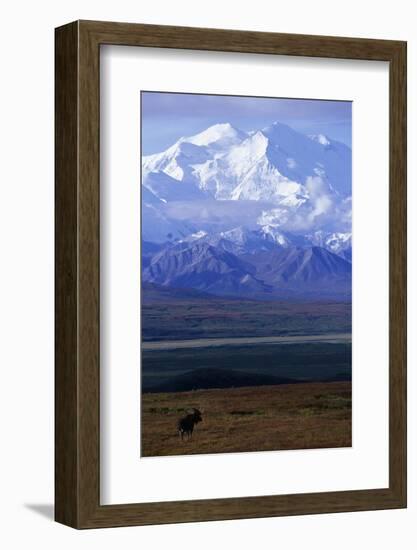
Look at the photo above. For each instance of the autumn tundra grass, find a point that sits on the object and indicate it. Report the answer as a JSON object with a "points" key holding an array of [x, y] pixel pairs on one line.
{"points": [[264, 418]]}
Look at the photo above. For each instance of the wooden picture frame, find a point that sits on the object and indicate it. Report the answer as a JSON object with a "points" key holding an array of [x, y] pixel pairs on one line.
{"points": [[77, 405]]}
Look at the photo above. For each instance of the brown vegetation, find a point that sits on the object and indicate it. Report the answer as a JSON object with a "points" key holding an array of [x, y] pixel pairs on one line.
{"points": [[293, 416]]}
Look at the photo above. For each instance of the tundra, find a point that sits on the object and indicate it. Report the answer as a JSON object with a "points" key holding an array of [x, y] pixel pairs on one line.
{"points": [[186, 424]]}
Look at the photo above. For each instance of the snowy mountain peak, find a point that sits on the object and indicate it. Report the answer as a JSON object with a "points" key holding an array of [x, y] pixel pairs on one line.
{"points": [[249, 150], [272, 233], [338, 243], [219, 134]]}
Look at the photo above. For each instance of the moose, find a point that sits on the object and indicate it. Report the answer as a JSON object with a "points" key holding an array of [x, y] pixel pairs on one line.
{"points": [[186, 424]]}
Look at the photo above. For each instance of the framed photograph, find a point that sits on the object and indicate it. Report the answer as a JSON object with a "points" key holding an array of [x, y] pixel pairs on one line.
{"points": [[230, 274]]}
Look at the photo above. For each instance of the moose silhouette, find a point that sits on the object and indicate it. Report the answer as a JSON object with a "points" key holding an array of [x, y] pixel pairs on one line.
{"points": [[186, 424]]}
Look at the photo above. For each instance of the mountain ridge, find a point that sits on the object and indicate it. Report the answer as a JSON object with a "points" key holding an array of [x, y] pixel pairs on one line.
{"points": [[263, 274]]}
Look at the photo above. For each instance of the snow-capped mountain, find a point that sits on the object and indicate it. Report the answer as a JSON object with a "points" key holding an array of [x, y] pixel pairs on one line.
{"points": [[183, 159], [300, 183], [283, 161], [244, 240], [218, 137], [338, 243], [269, 164], [256, 213]]}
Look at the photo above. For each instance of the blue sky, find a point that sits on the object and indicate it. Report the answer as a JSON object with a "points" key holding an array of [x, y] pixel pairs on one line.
{"points": [[168, 116]]}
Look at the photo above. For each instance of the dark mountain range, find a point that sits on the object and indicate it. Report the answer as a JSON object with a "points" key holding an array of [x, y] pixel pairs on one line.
{"points": [[278, 272], [204, 267], [299, 266]]}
